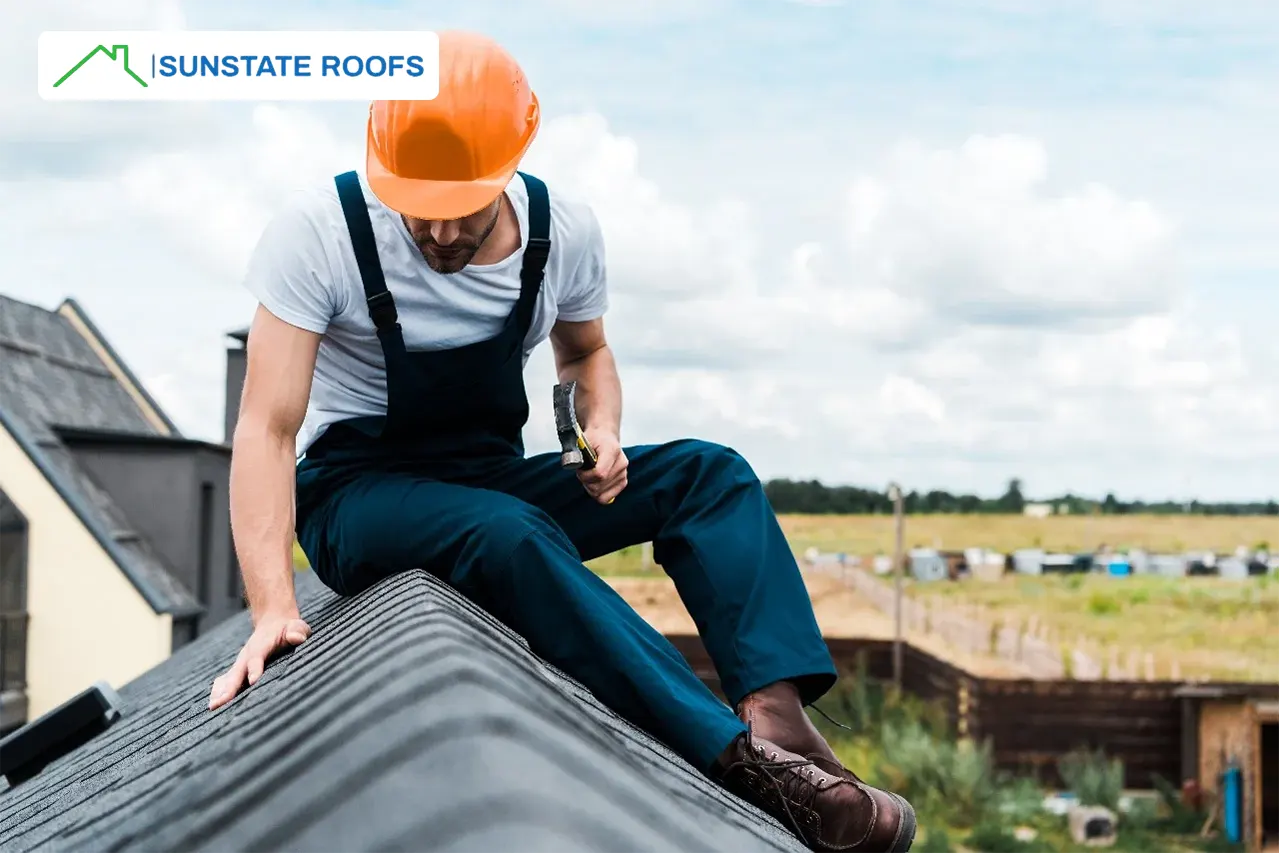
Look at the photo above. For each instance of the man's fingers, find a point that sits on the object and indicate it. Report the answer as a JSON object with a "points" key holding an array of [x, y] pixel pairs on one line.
{"points": [[605, 474], [227, 685], [296, 631], [601, 487], [252, 660], [612, 489], [257, 663]]}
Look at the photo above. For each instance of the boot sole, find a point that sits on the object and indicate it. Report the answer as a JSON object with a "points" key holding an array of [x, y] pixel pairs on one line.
{"points": [[906, 827]]}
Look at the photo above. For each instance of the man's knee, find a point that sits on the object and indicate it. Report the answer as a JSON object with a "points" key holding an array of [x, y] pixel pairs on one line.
{"points": [[712, 464]]}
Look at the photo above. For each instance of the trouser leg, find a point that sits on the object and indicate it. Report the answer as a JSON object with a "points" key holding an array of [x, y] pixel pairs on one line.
{"points": [[716, 535], [513, 560]]}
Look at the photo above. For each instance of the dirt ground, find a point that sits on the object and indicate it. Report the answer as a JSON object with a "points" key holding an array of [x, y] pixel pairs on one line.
{"points": [[840, 612]]}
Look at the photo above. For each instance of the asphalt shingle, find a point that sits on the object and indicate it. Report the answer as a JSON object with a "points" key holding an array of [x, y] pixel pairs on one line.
{"points": [[409, 720]]}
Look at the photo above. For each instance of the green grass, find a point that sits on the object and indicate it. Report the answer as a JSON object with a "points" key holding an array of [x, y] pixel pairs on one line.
{"points": [[1213, 628], [872, 534], [627, 563]]}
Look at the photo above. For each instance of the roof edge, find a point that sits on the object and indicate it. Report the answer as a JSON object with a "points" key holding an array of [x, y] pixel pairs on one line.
{"points": [[76, 504], [76, 436], [151, 409]]}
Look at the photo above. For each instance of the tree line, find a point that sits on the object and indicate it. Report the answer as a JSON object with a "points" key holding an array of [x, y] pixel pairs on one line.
{"points": [[810, 497]]}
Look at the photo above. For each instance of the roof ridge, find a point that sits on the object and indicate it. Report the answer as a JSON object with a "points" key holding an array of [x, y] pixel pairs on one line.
{"points": [[447, 733]]}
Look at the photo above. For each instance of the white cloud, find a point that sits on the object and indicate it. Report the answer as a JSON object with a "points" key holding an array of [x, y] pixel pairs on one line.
{"points": [[658, 249], [972, 232], [215, 200]]}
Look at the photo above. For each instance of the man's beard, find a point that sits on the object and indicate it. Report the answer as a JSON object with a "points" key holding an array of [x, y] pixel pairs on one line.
{"points": [[447, 260]]}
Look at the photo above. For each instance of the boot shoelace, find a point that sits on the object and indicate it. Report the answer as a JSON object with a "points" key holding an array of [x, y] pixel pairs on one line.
{"points": [[826, 717], [826, 763], [798, 788]]}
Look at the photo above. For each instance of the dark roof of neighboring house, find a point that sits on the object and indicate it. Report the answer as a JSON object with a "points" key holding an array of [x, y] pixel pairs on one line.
{"points": [[241, 335], [410, 720], [74, 308], [50, 380]]}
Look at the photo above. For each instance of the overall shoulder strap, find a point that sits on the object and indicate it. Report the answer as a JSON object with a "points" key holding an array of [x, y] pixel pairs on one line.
{"points": [[538, 247], [382, 308]]}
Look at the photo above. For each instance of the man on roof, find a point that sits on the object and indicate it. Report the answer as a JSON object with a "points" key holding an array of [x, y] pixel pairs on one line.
{"points": [[381, 423]]}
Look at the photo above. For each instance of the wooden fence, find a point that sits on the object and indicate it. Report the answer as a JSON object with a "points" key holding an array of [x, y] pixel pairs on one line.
{"points": [[1030, 723]]}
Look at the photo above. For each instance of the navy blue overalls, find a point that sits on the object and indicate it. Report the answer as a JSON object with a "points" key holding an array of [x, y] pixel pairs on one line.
{"points": [[441, 483]]}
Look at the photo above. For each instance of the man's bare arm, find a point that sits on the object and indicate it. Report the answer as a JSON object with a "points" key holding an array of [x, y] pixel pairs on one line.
{"points": [[583, 353], [281, 362]]}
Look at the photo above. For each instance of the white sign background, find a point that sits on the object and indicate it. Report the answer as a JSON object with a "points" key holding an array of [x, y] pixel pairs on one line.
{"points": [[299, 65]]}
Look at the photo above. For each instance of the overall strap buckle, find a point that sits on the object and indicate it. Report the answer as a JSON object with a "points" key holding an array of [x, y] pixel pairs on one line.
{"points": [[382, 310], [536, 252]]}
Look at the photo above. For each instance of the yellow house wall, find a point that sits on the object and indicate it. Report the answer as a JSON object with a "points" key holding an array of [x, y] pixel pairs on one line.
{"points": [[87, 622]]}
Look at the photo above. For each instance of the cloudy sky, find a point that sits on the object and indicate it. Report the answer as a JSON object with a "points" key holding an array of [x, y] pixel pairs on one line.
{"points": [[947, 244]]}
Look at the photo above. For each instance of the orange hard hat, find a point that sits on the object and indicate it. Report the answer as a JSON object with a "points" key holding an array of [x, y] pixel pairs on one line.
{"points": [[449, 157]]}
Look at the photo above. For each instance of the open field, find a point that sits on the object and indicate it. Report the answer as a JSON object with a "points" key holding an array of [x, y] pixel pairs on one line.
{"points": [[869, 534], [1212, 628]]}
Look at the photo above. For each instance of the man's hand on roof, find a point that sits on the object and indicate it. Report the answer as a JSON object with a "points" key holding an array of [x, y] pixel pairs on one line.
{"points": [[272, 634], [608, 478]]}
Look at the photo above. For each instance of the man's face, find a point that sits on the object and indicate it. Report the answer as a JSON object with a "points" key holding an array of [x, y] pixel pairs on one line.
{"points": [[448, 245]]}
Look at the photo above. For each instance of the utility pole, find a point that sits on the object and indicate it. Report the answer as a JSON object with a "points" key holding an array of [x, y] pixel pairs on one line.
{"points": [[895, 495]]}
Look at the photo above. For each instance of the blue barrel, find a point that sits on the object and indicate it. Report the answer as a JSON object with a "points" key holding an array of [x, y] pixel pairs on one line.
{"points": [[1118, 567], [1231, 804]]}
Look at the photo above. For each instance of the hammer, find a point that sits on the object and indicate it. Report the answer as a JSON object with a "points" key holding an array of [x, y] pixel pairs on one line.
{"points": [[575, 452]]}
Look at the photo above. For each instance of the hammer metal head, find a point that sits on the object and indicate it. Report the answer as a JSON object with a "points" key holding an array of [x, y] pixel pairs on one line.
{"points": [[574, 450]]}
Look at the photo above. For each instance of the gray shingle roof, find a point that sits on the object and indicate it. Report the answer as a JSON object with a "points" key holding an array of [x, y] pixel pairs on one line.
{"points": [[51, 378], [408, 720]]}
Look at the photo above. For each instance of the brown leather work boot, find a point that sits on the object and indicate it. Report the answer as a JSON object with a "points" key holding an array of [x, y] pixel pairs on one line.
{"points": [[775, 714], [826, 811]]}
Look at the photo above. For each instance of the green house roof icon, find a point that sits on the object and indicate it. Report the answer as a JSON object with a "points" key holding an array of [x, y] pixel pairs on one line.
{"points": [[120, 50]]}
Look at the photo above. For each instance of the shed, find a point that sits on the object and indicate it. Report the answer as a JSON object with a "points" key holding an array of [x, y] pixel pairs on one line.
{"points": [[1233, 568], [1059, 563], [1233, 728], [985, 564], [1169, 565], [1028, 561], [1202, 563], [928, 565]]}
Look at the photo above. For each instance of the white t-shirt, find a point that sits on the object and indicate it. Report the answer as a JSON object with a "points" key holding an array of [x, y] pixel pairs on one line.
{"points": [[303, 270]]}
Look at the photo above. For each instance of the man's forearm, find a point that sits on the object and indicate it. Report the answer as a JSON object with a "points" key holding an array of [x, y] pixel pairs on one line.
{"points": [[262, 519], [599, 398]]}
